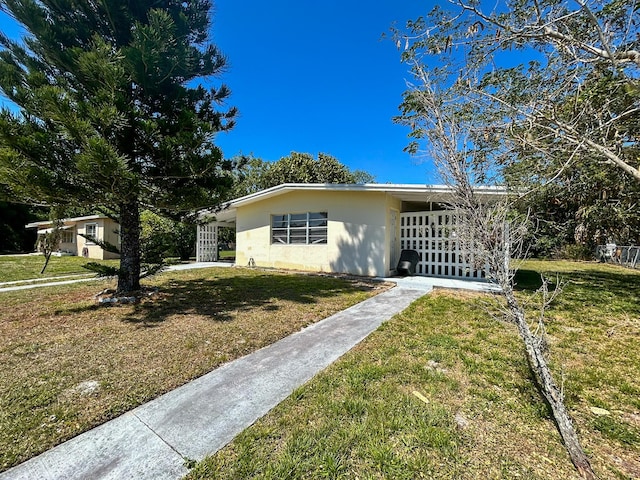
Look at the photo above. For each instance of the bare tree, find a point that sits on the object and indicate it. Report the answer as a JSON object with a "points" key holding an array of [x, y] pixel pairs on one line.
{"points": [[555, 80], [491, 233], [50, 241]]}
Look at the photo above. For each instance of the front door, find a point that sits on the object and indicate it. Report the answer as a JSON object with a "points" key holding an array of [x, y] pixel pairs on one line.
{"points": [[394, 234]]}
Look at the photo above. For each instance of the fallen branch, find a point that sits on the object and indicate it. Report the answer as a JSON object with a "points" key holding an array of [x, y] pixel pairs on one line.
{"points": [[492, 236]]}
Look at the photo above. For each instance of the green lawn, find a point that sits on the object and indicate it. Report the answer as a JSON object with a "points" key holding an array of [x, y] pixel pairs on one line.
{"points": [[227, 254], [54, 340], [443, 391], [27, 267]]}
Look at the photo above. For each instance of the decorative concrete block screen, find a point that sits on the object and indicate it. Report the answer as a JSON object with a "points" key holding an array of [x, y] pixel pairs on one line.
{"points": [[207, 244], [432, 235]]}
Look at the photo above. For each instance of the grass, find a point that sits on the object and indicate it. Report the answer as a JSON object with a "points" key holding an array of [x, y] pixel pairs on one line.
{"points": [[69, 365], [27, 267], [476, 413]]}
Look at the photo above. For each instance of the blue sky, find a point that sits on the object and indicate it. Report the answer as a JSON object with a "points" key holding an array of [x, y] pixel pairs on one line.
{"points": [[316, 77]]}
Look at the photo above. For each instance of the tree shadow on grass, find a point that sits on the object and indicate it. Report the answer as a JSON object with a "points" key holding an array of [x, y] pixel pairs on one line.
{"points": [[221, 299], [611, 287], [67, 310], [527, 280]]}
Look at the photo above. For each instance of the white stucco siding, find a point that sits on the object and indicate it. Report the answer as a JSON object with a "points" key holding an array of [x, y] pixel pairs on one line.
{"points": [[106, 230], [357, 233], [111, 234]]}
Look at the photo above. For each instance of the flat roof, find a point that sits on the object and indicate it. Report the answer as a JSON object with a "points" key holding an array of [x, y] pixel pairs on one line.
{"points": [[64, 220], [404, 192]]}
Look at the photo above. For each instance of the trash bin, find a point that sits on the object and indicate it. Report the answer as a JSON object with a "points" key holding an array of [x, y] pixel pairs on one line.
{"points": [[408, 261]]}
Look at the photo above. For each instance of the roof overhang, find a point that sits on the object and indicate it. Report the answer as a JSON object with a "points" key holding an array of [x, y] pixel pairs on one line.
{"points": [[42, 231], [226, 212], [65, 221], [224, 216]]}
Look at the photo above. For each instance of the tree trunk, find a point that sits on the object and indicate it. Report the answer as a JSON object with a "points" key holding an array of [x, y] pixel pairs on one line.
{"points": [[129, 275], [47, 256], [550, 390]]}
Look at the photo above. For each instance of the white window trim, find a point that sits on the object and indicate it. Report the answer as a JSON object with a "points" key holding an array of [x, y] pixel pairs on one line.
{"points": [[306, 228], [86, 240]]}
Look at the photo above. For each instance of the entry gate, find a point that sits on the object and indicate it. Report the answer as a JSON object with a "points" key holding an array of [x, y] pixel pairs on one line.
{"points": [[432, 235]]}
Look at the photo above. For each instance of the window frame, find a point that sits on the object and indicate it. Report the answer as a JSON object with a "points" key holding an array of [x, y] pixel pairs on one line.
{"points": [[308, 228], [86, 227], [71, 235]]}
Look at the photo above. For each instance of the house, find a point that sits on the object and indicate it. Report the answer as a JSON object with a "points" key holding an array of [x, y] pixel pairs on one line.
{"points": [[100, 227], [353, 229]]}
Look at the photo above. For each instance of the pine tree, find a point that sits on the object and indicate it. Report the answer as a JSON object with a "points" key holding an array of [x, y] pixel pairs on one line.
{"points": [[113, 112]]}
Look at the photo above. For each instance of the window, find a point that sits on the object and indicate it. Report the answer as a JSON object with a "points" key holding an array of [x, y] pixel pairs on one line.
{"points": [[91, 230], [67, 236], [299, 228]]}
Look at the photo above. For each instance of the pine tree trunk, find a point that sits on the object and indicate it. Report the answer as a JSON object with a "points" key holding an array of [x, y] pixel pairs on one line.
{"points": [[129, 275]]}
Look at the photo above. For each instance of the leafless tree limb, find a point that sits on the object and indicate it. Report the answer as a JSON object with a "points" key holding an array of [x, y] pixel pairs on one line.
{"points": [[492, 236]]}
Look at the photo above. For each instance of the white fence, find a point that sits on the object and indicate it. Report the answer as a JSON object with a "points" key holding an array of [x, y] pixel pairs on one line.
{"points": [[629, 256]]}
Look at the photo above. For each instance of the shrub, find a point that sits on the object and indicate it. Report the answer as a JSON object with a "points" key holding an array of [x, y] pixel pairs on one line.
{"points": [[574, 251], [162, 238]]}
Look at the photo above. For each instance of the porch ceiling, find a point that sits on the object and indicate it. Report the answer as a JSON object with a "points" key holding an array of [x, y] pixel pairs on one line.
{"points": [[223, 218]]}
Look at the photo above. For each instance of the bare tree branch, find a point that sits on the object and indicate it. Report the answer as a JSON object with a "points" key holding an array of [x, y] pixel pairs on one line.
{"points": [[491, 235]]}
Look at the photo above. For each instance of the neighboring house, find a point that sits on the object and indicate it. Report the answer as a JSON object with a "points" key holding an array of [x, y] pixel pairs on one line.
{"points": [[99, 227], [353, 229]]}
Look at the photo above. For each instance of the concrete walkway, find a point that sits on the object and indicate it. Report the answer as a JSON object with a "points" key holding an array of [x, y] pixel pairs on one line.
{"points": [[44, 279], [406, 282], [54, 282], [428, 283]]}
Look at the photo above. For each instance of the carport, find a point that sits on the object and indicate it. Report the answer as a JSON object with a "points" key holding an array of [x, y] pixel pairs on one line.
{"points": [[208, 233]]}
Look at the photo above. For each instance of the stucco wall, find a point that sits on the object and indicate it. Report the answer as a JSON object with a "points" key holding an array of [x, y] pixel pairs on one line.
{"points": [[106, 231], [69, 247], [357, 234]]}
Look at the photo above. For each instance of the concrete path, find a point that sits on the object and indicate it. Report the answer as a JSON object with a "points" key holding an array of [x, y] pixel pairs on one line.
{"points": [[54, 282], [44, 279], [418, 282], [406, 282], [155, 440], [47, 284]]}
